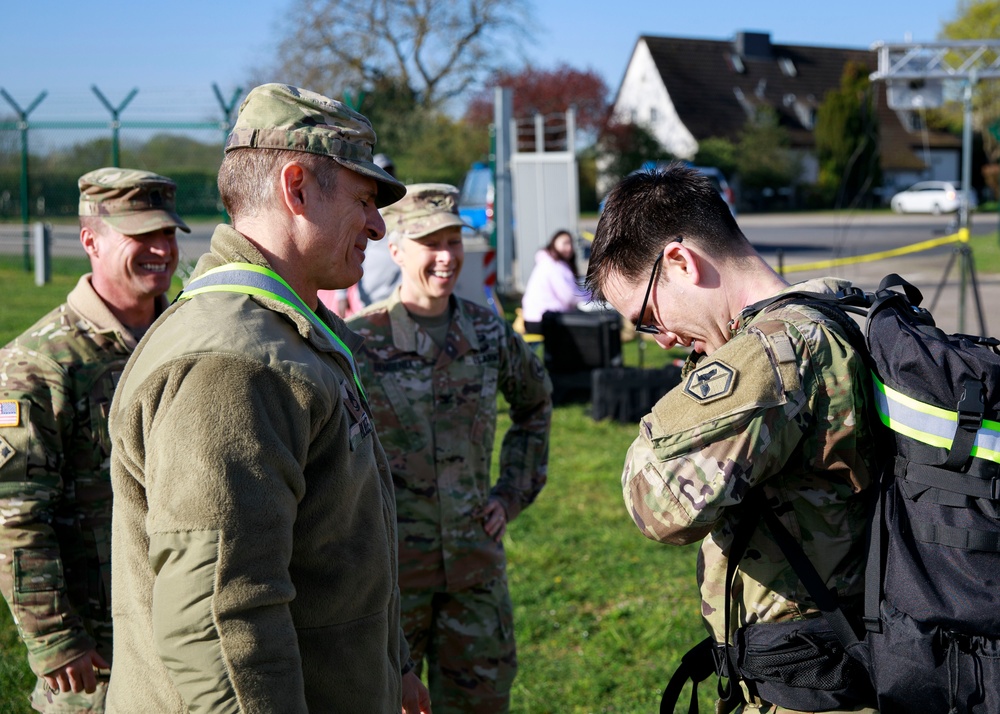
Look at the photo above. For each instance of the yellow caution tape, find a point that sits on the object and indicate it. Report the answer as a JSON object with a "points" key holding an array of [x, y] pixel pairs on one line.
{"points": [[961, 237]]}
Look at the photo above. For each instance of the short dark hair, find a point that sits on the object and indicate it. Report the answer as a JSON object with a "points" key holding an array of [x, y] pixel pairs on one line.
{"points": [[647, 210]]}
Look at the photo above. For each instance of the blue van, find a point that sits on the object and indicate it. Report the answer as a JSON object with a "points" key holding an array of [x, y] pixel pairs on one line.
{"points": [[475, 203]]}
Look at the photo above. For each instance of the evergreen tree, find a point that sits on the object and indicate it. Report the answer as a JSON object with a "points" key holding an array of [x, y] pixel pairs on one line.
{"points": [[763, 157], [847, 139]]}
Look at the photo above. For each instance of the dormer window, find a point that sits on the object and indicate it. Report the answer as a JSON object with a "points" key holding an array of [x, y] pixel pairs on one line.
{"points": [[787, 67], [806, 115]]}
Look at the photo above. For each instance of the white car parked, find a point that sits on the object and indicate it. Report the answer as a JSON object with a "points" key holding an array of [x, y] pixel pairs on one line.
{"points": [[931, 197]]}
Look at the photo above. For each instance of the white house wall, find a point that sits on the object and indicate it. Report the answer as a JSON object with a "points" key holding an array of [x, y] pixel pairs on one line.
{"points": [[809, 166], [945, 164], [942, 165], [643, 99]]}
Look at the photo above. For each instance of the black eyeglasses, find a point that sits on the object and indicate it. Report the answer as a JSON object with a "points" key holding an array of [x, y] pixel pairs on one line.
{"points": [[651, 329]]}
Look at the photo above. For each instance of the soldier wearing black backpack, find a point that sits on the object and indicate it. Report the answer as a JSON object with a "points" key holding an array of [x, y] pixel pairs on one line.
{"points": [[769, 430]]}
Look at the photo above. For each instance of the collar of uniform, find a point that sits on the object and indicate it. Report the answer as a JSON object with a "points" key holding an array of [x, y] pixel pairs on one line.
{"points": [[404, 329], [85, 301], [230, 246], [465, 324], [830, 286]]}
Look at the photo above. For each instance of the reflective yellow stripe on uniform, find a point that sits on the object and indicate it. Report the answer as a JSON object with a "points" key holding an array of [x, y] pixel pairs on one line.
{"points": [[931, 425], [250, 279]]}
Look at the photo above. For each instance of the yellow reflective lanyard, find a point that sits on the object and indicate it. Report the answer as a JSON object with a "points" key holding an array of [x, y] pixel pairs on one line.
{"points": [[249, 279]]}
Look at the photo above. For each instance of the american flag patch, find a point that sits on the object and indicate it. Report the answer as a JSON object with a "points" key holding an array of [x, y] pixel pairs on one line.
{"points": [[10, 413]]}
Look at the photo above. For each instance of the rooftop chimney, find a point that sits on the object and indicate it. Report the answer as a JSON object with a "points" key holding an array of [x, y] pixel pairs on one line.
{"points": [[753, 45]]}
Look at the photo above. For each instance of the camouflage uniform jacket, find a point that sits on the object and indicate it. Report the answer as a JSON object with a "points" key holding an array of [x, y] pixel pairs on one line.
{"points": [[254, 531], [781, 404], [55, 488], [436, 413]]}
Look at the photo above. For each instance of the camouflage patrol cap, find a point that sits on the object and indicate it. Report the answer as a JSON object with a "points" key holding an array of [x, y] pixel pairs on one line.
{"points": [[279, 116], [131, 201], [427, 207]]}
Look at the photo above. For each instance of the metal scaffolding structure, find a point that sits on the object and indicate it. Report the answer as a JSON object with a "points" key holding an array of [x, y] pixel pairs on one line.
{"points": [[916, 66], [955, 59], [918, 70]]}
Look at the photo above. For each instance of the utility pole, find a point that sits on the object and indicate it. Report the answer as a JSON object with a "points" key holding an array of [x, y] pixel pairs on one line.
{"points": [[503, 211]]}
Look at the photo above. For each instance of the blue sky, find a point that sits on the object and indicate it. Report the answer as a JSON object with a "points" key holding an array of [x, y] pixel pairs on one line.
{"points": [[174, 51]]}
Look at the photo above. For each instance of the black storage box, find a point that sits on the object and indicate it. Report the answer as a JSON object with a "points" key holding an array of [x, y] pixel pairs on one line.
{"points": [[576, 343], [626, 394]]}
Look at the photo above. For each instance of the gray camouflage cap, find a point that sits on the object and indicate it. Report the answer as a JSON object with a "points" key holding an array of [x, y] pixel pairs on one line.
{"points": [[427, 207], [131, 201], [279, 116]]}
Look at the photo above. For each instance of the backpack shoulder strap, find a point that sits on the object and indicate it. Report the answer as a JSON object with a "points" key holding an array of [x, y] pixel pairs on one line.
{"points": [[709, 656], [697, 665], [834, 307], [825, 599]]}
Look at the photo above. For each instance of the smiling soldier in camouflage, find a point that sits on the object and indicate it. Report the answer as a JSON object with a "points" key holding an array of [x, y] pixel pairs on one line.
{"points": [[434, 365], [56, 384]]}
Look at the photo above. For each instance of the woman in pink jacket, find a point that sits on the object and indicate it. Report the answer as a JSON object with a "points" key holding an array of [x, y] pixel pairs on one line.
{"points": [[552, 286]]}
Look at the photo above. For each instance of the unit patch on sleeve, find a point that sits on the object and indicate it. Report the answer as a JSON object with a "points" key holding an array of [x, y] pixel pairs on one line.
{"points": [[6, 451], [710, 382], [10, 413]]}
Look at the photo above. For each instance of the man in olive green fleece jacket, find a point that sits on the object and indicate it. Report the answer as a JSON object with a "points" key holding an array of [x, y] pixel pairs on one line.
{"points": [[253, 537]]}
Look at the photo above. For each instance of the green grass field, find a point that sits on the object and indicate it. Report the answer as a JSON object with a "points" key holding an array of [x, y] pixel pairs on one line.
{"points": [[602, 614], [986, 252]]}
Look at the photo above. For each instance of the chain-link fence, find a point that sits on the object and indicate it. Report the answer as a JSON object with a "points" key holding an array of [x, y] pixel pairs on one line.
{"points": [[41, 159]]}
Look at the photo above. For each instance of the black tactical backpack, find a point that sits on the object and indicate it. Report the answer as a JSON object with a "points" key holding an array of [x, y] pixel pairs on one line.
{"points": [[929, 637]]}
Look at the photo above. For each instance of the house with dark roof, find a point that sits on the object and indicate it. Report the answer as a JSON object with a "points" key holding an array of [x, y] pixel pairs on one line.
{"points": [[687, 90]]}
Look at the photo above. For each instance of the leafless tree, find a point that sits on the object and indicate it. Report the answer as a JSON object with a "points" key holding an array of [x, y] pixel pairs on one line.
{"points": [[434, 48]]}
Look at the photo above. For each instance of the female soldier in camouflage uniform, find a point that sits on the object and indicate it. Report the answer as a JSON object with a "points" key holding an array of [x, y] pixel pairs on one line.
{"points": [[433, 364]]}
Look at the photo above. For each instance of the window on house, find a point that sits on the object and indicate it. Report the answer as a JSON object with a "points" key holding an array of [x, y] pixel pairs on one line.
{"points": [[805, 114], [653, 115], [787, 67]]}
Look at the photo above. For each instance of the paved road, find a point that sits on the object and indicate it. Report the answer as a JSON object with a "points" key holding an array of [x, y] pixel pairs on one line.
{"points": [[66, 241], [800, 238], [805, 238], [813, 234]]}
